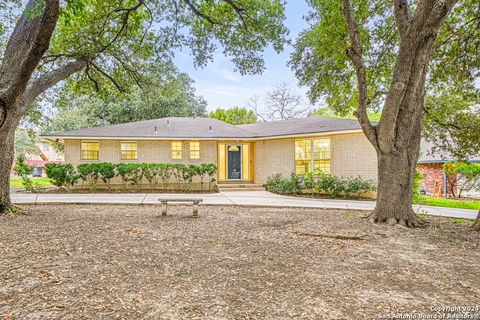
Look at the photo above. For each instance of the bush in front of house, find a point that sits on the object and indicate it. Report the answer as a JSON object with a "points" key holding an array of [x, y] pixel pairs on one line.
{"points": [[319, 183], [131, 174], [23, 170], [62, 175]]}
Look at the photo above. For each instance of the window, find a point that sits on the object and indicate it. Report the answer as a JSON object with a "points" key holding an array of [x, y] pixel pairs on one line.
{"points": [[302, 155], [45, 146], [176, 150], [305, 159], [89, 150], [128, 151], [321, 155], [194, 150]]}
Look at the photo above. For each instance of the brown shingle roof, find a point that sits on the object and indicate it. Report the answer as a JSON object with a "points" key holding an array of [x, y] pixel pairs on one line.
{"points": [[205, 128]]}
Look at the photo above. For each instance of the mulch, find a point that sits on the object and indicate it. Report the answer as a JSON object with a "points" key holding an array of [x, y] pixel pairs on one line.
{"points": [[126, 262]]}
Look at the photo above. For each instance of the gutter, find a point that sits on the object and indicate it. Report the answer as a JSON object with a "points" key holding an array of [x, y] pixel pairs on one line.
{"points": [[254, 138]]}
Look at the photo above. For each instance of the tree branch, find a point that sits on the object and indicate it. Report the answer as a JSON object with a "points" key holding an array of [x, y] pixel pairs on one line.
{"points": [[197, 12], [25, 48], [48, 80], [356, 56], [106, 75], [402, 16]]}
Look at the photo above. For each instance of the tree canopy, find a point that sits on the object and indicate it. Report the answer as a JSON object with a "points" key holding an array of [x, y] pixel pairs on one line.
{"points": [[234, 115], [321, 63], [166, 93]]}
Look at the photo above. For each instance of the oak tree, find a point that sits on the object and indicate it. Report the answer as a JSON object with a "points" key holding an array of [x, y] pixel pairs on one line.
{"points": [[102, 42], [387, 55]]}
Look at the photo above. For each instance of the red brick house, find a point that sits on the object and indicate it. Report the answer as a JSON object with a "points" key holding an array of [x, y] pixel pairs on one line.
{"points": [[430, 166]]}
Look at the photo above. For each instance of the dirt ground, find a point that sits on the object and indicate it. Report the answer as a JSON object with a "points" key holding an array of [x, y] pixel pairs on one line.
{"points": [[125, 262]]}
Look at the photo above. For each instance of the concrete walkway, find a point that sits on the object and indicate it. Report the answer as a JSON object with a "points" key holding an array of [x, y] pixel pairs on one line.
{"points": [[248, 198]]}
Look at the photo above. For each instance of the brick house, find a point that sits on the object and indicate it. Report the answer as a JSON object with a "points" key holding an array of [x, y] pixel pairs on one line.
{"points": [[244, 154], [430, 166]]}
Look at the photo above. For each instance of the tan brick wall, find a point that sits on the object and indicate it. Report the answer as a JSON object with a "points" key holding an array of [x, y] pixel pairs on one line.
{"points": [[353, 155], [274, 156], [148, 152]]}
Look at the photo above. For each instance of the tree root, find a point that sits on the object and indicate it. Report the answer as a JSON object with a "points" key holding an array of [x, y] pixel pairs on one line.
{"points": [[409, 220], [11, 210], [333, 236]]}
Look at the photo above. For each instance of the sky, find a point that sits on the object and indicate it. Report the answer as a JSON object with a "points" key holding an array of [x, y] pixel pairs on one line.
{"points": [[224, 88]]}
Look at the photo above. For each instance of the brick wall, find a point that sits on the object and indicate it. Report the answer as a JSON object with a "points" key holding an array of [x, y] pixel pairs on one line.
{"points": [[353, 155], [274, 156], [148, 152], [432, 180]]}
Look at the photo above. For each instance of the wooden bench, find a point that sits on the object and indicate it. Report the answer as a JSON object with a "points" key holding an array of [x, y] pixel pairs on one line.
{"points": [[194, 202]]}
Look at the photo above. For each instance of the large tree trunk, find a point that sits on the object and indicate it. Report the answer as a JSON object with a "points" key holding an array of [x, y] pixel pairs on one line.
{"points": [[25, 48], [476, 225], [7, 135], [395, 184]]}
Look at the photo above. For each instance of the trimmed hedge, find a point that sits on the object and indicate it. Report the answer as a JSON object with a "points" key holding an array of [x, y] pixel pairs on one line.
{"points": [[131, 174], [318, 183]]}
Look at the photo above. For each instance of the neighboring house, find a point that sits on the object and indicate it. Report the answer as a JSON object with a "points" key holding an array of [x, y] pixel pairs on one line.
{"points": [[46, 153], [430, 165], [244, 153]]}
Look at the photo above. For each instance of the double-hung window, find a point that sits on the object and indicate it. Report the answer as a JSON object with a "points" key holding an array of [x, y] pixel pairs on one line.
{"points": [[128, 150], [176, 150], [194, 150], [89, 150]]}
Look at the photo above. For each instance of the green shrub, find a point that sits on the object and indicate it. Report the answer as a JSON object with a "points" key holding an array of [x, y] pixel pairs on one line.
{"points": [[61, 175], [416, 183], [150, 172], [291, 185], [131, 173], [318, 183], [24, 170]]}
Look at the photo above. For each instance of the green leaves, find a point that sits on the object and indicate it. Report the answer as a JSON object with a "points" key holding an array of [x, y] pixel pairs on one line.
{"points": [[133, 174], [234, 116]]}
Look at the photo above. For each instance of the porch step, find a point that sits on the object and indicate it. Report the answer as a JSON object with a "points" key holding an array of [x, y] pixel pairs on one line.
{"points": [[241, 187]]}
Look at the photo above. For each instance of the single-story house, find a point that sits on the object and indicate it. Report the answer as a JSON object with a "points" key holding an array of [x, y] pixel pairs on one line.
{"points": [[430, 165], [243, 153]]}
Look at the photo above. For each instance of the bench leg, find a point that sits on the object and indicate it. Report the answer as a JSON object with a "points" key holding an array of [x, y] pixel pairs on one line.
{"points": [[195, 209], [164, 209]]}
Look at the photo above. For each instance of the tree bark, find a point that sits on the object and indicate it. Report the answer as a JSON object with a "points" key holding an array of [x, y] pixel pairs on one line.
{"points": [[395, 184], [476, 225], [7, 136], [25, 48]]}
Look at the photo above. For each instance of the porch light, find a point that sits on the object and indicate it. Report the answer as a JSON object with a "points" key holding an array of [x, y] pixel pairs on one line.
{"points": [[168, 123], [210, 129], [156, 132]]}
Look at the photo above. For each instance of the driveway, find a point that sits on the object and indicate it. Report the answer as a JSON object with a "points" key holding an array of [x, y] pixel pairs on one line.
{"points": [[244, 198]]}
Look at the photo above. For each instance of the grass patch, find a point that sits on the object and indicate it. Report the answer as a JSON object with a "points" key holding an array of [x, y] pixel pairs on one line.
{"points": [[447, 203], [43, 182]]}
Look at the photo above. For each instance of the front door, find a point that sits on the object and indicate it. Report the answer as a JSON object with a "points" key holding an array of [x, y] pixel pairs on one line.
{"points": [[234, 162]]}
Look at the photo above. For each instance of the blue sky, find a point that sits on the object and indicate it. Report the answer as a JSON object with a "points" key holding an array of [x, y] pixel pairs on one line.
{"points": [[222, 87]]}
